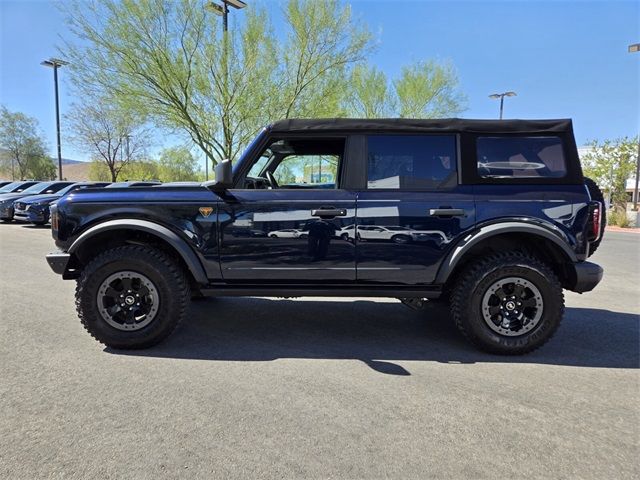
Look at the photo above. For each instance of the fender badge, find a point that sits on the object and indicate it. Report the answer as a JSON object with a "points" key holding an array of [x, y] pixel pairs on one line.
{"points": [[206, 211]]}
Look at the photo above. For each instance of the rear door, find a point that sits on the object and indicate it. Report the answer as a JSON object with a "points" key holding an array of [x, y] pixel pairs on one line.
{"points": [[286, 224], [413, 193]]}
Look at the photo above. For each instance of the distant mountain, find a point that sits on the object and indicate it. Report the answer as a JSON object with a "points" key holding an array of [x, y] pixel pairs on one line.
{"points": [[68, 161]]}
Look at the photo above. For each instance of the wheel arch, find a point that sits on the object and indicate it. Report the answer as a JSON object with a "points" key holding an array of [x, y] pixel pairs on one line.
{"points": [[123, 231], [539, 240]]}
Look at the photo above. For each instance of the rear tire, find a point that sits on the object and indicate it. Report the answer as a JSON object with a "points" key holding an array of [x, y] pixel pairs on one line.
{"points": [[508, 303], [597, 195], [157, 284]]}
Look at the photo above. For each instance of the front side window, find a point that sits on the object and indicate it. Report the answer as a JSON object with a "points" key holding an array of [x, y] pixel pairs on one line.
{"points": [[411, 162], [310, 170], [520, 157], [298, 163]]}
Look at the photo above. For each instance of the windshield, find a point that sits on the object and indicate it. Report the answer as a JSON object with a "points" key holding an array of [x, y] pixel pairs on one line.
{"points": [[37, 188], [66, 190], [46, 187], [10, 186]]}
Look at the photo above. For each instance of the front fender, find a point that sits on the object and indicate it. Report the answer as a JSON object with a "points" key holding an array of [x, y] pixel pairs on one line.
{"points": [[163, 233], [454, 256]]}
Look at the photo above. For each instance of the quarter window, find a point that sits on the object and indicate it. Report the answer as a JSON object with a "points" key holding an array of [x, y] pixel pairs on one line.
{"points": [[520, 157], [411, 162]]}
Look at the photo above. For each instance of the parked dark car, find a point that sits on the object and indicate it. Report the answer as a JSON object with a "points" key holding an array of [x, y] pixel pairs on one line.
{"points": [[7, 199], [35, 209], [506, 200]]}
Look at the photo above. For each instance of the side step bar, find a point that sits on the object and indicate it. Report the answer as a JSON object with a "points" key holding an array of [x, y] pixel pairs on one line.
{"points": [[315, 291]]}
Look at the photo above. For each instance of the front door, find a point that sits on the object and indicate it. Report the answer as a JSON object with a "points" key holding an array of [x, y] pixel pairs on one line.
{"points": [[285, 225], [413, 209]]}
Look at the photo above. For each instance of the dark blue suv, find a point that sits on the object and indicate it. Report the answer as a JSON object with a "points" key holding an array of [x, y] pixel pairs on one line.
{"points": [[493, 217]]}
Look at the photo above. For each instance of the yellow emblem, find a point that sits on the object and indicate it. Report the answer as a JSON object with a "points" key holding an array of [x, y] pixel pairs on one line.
{"points": [[206, 211]]}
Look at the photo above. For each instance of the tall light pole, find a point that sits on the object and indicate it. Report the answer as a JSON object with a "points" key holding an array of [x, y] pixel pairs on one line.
{"points": [[56, 63], [224, 11], [634, 48], [501, 97]]}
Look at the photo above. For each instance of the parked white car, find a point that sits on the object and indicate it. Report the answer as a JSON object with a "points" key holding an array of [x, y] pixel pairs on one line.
{"points": [[287, 233], [395, 234]]}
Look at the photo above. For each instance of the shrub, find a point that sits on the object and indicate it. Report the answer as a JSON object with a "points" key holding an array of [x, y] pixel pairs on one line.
{"points": [[619, 218]]}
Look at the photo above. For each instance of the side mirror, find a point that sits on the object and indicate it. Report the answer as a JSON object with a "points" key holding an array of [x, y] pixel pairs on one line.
{"points": [[224, 176]]}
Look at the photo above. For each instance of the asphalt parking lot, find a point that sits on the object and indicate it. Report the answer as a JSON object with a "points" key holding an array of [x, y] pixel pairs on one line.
{"points": [[309, 388]]}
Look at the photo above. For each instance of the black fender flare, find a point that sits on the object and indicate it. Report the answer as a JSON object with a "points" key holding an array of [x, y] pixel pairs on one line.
{"points": [[163, 233], [463, 246]]}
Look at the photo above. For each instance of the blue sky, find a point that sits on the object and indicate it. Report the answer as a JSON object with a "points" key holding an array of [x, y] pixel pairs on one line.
{"points": [[563, 58]]}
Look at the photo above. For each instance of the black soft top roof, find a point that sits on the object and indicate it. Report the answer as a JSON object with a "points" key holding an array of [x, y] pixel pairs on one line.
{"points": [[421, 125]]}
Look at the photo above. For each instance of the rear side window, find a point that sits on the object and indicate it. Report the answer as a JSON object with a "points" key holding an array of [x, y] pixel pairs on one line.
{"points": [[411, 162], [520, 157]]}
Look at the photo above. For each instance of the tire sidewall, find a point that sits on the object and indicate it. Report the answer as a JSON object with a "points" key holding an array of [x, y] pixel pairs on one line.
{"points": [[551, 313]]}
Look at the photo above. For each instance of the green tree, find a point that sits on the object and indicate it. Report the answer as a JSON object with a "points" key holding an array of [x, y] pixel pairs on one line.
{"points": [[177, 164], [423, 90], [169, 62], [428, 90], [140, 170], [369, 95], [42, 167], [611, 163], [24, 147], [99, 171], [107, 133]]}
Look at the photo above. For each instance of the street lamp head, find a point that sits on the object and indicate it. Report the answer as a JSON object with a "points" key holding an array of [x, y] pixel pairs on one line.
{"points": [[634, 47], [501, 95], [235, 3], [214, 8], [220, 9], [54, 62]]}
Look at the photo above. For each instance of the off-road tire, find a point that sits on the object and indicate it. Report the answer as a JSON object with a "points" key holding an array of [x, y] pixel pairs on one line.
{"points": [[596, 194], [473, 283], [165, 273]]}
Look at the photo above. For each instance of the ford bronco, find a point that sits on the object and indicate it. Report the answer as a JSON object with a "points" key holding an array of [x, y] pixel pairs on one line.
{"points": [[493, 217]]}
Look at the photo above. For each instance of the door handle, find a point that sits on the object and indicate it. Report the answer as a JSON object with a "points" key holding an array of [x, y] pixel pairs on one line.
{"points": [[329, 212], [446, 212]]}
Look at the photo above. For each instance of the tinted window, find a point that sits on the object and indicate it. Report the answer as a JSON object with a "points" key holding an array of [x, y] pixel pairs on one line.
{"points": [[422, 162], [520, 157], [10, 186]]}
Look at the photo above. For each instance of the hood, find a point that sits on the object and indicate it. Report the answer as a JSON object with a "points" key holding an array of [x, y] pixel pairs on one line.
{"points": [[48, 198], [139, 195], [13, 196]]}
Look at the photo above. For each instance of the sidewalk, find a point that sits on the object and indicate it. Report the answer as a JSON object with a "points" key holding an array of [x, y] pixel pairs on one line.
{"points": [[611, 228]]}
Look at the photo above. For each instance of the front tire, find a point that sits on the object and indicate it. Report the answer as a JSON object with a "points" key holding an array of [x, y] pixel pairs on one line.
{"points": [[509, 303], [132, 296]]}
